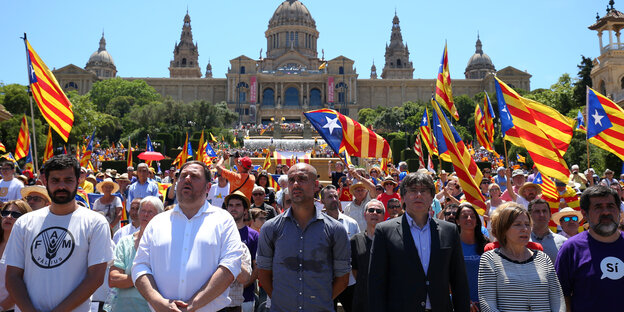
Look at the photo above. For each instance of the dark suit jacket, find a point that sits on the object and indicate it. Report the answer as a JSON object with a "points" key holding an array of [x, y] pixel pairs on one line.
{"points": [[397, 281]]}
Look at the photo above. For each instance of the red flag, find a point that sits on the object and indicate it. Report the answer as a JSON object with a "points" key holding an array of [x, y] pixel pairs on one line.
{"points": [[23, 141], [443, 91]]}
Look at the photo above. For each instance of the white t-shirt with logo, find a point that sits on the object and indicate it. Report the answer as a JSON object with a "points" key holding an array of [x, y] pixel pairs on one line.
{"points": [[10, 190], [55, 251], [217, 194]]}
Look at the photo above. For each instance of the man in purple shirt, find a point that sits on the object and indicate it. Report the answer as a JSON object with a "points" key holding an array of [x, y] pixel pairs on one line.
{"points": [[590, 264], [238, 206]]}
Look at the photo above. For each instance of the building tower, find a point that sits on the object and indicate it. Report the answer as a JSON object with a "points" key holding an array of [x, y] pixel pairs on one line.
{"points": [[608, 71], [291, 28], [373, 71], [101, 62], [185, 54], [209, 70], [480, 64], [398, 65]]}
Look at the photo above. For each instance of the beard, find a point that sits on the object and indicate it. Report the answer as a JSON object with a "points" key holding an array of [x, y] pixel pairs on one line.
{"points": [[57, 199], [605, 229]]}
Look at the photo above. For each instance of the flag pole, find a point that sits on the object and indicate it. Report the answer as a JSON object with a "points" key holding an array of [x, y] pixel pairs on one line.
{"points": [[586, 123], [506, 158], [32, 111]]}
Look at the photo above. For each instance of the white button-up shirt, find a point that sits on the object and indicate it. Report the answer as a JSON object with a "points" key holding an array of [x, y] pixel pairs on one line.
{"points": [[182, 254]]}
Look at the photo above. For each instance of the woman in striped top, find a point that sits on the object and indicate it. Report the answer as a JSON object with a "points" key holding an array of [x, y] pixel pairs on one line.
{"points": [[514, 277]]}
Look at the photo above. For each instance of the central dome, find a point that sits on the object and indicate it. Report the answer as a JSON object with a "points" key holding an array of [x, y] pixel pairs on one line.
{"points": [[292, 12]]}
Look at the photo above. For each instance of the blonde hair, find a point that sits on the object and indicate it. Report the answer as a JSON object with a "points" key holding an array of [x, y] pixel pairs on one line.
{"points": [[503, 217]]}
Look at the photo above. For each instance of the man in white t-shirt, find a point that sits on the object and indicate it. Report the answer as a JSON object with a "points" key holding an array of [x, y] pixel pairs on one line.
{"points": [[9, 187], [218, 192], [56, 256]]}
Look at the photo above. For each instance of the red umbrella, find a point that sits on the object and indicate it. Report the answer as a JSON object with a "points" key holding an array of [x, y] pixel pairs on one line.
{"points": [[151, 156]]}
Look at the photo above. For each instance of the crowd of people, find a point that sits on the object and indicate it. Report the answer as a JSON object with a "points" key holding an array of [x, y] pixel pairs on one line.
{"points": [[225, 238]]}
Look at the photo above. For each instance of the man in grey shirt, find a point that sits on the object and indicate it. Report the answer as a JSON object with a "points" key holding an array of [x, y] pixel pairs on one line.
{"points": [[303, 254], [540, 215]]}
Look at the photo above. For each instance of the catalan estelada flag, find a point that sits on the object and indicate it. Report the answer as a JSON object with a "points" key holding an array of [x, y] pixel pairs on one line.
{"points": [[465, 167], [29, 161], [427, 136], [481, 130], [580, 122], [84, 161], [443, 91], [418, 151], [273, 182], [149, 147], [52, 102], [549, 189], [515, 114], [438, 135], [201, 148], [267, 161], [49, 148], [340, 131], [22, 148], [2, 148], [184, 154], [605, 123], [488, 114]]}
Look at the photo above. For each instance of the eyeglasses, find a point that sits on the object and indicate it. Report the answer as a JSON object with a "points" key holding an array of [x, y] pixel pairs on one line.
{"points": [[13, 214], [34, 198], [448, 213], [373, 210], [567, 219]]}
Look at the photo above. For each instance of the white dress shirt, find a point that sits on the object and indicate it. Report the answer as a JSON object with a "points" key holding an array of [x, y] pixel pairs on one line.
{"points": [[182, 254]]}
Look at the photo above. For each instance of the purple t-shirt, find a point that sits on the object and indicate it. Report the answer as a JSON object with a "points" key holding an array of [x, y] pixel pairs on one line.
{"points": [[249, 236], [591, 272]]}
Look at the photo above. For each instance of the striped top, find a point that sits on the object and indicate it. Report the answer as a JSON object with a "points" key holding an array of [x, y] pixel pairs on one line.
{"points": [[508, 285]]}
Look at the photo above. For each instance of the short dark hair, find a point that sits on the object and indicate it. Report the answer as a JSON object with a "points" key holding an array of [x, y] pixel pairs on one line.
{"points": [[207, 172], [8, 162], [60, 162], [507, 214], [598, 191], [239, 197], [393, 200], [416, 178], [451, 206], [328, 188], [537, 201]]}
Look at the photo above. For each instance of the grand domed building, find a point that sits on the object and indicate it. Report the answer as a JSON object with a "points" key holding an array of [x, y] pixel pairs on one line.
{"points": [[292, 77]]}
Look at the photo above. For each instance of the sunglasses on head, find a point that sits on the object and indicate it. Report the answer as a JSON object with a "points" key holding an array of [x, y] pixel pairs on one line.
{"points": [[373, 210], [567, 219], [14, 214]]}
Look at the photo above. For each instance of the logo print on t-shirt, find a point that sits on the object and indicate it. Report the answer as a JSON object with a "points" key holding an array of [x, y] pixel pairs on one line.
{"points": [[612, 268], [4, 191], [52, 247]]}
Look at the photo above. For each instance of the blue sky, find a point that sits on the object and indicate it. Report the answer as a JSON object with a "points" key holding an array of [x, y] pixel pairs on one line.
{"points": [[545, 38]]}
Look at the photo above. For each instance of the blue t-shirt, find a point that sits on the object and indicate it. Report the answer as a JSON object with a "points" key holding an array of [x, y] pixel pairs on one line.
{"points": [[592, 272], [471, 260]]}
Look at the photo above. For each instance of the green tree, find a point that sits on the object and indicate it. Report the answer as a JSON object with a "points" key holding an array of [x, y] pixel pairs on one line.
{"points": [[14, 97], [584, 80], [103, 92]]}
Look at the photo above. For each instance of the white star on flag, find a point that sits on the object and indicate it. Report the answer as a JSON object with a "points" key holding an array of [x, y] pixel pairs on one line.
{"points": [[597, 118], [331, 124]]}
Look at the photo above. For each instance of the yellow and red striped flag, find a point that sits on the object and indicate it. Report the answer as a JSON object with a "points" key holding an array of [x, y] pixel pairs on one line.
{"points": [[549, 189], [464, 165], [605, 123], [384, 165], [52, 102], [129, 157], [2, 148], [481, 130], [488, 114], [183, 156], [23, 141], [427, 136], [340, 131], [514, 113], [443, 91], [49, 148], [418, 151], [273, 183], [201, 149], [267, 161], [84, 161]]}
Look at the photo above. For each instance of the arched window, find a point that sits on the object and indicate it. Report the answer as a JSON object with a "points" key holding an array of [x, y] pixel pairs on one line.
{"points": [[287, 40], [291, 97], [315, 97], [268, 97], [184, 62], [242, 69], [399, 63], [71, 85], [342, 87], [340, 70], [622, 83], [603, 88]]}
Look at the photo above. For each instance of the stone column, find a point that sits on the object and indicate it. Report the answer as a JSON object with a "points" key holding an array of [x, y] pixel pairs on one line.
{"points": [[600, 40]]}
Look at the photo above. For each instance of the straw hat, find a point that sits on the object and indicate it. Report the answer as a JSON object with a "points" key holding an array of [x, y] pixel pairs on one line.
{"points": [[238, 194], [98, 187], [567, 211], [529, 184], [388, 180], [38, 189], [359, 184]]}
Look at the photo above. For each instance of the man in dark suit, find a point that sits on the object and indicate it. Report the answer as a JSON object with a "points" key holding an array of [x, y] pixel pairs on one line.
{"points": [[415, 259]]}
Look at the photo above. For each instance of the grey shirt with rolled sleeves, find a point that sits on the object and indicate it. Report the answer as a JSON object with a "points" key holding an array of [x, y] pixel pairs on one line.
{"points": [[304, 263], [551, 242]]}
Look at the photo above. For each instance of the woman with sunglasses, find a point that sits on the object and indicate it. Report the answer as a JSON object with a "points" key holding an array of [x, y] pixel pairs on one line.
{"points": [[11, 210], [473, 242], [360, 253]]}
